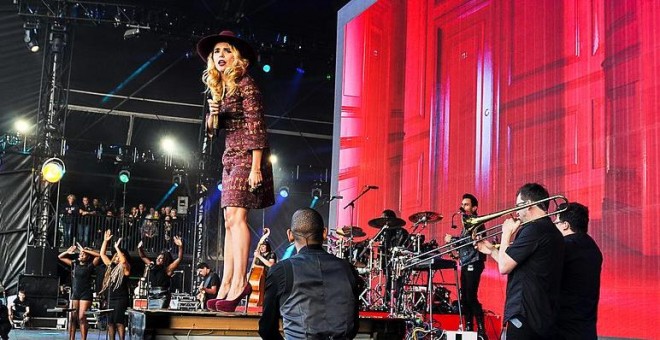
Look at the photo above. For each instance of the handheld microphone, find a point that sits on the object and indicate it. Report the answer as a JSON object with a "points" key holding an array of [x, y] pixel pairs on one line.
{"points": [[372, 186]]}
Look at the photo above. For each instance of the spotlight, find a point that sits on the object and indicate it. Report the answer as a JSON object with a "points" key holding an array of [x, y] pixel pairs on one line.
{"points": [[52, 170], [168, 145], [266, 68], [124, 176], [176, 179], [273, 159], [317, 193], [300, 69], [22, 126], [131, 33], [30, 39], [284, 191], [219, 185]]}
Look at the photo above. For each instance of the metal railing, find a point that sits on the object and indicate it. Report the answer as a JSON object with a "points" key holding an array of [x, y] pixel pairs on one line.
{"points": [[155, 234]]}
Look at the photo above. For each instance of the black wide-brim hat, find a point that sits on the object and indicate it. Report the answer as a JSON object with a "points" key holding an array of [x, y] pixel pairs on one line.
{"points": [[206, 44]]}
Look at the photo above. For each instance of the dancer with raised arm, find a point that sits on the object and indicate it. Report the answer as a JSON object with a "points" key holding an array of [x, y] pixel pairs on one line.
{"points": [[82, 293]]}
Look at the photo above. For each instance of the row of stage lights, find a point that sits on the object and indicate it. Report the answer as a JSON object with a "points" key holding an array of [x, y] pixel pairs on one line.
{"points": [[53, 169]]}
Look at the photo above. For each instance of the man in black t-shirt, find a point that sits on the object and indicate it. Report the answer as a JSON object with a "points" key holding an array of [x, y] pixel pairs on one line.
{"points": [[472, 265], [533, 265], [85, 226], [580, 283], [208, 290], [19, 310]]}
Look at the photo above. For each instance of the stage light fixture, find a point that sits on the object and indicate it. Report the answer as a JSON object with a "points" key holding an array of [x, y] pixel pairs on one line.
{"points": [[317, 193], [176, 179], [168, 144], [273, 159], [300, 69], [284, 191], [22, 126], [266, 68], [30, 39], [124, 176], [219, 185], [53, 170]]}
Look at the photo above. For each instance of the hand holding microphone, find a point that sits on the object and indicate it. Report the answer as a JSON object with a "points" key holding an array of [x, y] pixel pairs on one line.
{"points": [[214, 111]]}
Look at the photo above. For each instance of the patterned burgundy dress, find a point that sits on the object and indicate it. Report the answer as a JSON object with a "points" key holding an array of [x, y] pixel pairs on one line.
{"points": [[242, 115]]}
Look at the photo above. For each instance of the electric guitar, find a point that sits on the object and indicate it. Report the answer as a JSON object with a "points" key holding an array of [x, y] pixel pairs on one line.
{"points": [[257, 278]]}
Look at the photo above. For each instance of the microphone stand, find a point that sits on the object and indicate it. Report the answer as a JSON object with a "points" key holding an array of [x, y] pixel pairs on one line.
{"points": [[352, 205]]}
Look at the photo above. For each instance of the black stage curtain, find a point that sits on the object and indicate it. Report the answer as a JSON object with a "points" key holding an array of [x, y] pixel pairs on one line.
{"points": [[15, 187]]}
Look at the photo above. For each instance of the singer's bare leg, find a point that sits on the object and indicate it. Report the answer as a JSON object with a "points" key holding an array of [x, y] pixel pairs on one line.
{"points": [[236, 221], [228, 264]]}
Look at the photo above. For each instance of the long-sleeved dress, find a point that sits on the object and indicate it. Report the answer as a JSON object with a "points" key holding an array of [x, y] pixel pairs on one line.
{"points": [[242, 116]]}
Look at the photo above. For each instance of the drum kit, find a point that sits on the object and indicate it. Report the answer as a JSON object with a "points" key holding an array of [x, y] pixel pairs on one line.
{"points": [[381, 263]]}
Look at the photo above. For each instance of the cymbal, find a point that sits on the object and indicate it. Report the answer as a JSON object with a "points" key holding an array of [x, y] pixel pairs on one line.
{"points": [[392, 222], [425, 217], [347, 230]]}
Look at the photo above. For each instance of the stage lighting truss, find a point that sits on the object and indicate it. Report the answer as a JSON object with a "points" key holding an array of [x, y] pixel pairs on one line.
{"points": [[53, 170]]}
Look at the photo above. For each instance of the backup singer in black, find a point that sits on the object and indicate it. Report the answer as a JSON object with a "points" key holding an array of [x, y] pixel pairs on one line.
{"points": [[161, 272], [115, 284], [472, 265], [82, 293]]}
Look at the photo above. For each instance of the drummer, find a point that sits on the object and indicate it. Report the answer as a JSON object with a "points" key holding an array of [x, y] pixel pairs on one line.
{"points": [[394, 235]]}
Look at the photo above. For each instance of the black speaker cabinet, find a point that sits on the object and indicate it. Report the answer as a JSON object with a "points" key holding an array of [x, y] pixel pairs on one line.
{"points": [[38, 286], [41, 261]]}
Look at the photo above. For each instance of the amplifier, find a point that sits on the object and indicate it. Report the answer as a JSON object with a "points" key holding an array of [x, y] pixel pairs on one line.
{"points": [[139, 303]]}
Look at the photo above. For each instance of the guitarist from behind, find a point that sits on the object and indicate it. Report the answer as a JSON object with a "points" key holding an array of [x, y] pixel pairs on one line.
{"points": [[208, 289]]}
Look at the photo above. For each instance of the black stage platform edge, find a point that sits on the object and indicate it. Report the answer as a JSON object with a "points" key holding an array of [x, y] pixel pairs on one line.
{"points": [[149, 324]]}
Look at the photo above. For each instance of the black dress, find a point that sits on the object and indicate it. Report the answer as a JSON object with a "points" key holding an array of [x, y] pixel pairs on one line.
{"points": [[118, 300], [82, 281]]}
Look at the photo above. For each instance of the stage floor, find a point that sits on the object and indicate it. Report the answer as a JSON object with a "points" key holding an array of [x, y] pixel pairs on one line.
{"points": [[165, 324]]}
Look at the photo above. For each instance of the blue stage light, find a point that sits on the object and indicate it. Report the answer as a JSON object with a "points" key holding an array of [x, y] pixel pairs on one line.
{"points": [[266, 68], [284, 191]]}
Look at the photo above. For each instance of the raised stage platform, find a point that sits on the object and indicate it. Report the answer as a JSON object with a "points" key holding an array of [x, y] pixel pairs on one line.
{"points": [[170, 324]]}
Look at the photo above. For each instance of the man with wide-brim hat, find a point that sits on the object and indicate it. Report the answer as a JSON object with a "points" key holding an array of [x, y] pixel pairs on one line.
{"points": [[206, 44]]}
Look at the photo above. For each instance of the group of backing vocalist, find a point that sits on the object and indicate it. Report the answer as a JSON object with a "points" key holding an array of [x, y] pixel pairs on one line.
{"points": [[115, 287]]}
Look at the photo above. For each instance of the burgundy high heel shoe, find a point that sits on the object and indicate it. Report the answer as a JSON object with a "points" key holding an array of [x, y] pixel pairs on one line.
{"points": [[210, 304], [230, 305]]}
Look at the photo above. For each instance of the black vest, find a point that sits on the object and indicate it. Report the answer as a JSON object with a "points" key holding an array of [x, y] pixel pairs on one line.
{"points": [[322, 303]]}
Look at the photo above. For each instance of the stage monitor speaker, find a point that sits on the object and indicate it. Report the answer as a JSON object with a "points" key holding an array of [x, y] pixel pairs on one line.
{"points": [[38, 286], [451, 335], [40, 305], [41, 261]]}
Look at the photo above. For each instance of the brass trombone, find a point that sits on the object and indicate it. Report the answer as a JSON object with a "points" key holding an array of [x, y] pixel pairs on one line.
{"points": [[472, 224]]}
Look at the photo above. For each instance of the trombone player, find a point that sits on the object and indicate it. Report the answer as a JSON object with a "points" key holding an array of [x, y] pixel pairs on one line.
{"points": [[531, 262], [472, 265]]}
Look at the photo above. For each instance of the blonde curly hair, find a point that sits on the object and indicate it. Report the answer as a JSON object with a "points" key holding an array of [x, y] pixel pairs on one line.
{"points": [[223, 86]]}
